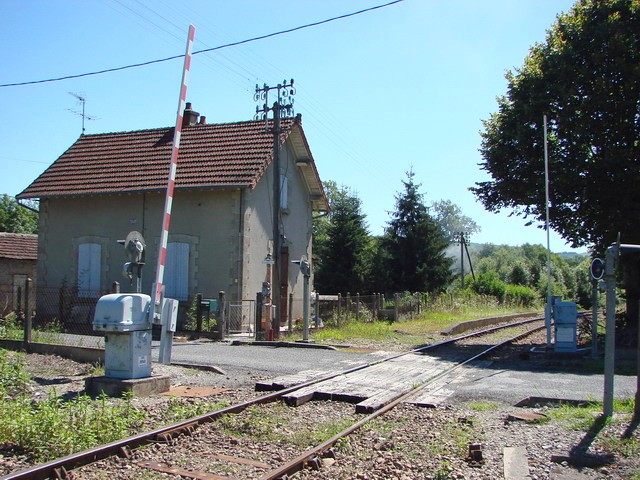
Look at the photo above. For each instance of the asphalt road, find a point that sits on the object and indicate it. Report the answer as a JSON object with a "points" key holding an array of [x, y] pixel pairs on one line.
{"points": [[243, 364]]}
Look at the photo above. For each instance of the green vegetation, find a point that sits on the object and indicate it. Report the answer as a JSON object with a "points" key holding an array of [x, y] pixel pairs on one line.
{"points": [[483, 405], [416, 254], [52, 428], [569, 78], [439, 312], [180, 409], [588, 417], [413, 247], [16, 218]]}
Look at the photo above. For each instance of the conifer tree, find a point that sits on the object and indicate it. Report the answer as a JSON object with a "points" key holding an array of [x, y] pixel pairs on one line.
{"points": [[415, 245], [344, 262]]}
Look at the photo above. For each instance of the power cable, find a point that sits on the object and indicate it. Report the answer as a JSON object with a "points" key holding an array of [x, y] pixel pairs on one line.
{"points": [[220, 47]]}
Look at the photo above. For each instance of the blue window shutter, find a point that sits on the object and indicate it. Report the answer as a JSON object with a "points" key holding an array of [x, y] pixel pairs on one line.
{"points": [[176, 273], [89, 263]]}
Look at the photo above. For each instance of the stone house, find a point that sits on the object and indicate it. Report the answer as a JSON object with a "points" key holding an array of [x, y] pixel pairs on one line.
{"points": [[107, 185]]}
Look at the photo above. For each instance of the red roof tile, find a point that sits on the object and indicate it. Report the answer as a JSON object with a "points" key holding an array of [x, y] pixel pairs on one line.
{"points": [[215, 155], [21, 246]]}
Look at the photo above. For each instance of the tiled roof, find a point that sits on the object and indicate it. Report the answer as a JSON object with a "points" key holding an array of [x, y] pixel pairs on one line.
{"points": [[215, 155], [21, 246]]}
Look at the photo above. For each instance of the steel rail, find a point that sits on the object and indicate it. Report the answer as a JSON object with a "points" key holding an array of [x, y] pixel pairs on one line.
{"points": [[299, 462], [57, 468]]}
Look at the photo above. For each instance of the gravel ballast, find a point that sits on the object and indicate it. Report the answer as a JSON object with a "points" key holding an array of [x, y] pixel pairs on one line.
{"points": [[407, 443]]}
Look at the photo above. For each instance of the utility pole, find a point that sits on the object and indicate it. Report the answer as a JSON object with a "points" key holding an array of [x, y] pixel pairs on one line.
{"points": [[461, 259], [282, 107]]}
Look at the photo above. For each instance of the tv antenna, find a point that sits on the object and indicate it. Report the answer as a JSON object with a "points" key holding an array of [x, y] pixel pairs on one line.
{"points": [[81, 99]]}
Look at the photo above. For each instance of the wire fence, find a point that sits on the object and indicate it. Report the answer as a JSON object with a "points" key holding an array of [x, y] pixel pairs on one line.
{"points": [[65, 315]]}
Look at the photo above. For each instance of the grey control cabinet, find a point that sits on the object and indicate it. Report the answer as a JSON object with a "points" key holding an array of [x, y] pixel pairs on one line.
{"points": [[566, 324], [124, 319]]}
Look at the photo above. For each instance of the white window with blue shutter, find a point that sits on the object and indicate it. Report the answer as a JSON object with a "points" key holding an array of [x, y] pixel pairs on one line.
{"points": [[176, 271], [89, 271]]}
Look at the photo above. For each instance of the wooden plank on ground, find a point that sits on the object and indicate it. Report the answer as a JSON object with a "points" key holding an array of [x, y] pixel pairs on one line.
{"points": [[286, 381]]}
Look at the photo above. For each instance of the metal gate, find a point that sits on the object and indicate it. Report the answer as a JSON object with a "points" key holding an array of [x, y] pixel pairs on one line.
{"points": [[241, 316]]}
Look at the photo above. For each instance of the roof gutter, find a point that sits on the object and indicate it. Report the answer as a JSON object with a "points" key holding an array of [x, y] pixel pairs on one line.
{"points": [[35, 210]]}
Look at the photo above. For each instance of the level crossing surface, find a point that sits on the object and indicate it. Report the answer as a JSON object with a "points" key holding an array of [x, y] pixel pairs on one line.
{"points": [[244, 365]]}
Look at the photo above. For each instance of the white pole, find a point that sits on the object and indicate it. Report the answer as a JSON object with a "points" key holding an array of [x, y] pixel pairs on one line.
{"points": [[547, 312]]}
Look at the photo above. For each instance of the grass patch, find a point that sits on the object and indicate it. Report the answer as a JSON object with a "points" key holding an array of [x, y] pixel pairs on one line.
{"points": [[483, 405], [589, 418], [582, 417], [52, 428], [423, 329], [179, 409]]}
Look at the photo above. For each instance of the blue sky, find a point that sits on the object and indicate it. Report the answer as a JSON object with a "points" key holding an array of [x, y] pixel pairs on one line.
{"points": [[399, 88]]}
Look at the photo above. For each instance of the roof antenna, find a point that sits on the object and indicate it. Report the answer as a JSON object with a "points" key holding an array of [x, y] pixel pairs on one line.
{"points": [[81, 99]]}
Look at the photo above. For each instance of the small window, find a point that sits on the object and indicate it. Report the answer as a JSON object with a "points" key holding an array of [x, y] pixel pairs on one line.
{"points": [[176, 271], [89, 255]]}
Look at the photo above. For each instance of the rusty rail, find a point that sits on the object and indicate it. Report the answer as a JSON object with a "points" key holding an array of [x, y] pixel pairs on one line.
{"points": [[59, 468], [313, 453]]}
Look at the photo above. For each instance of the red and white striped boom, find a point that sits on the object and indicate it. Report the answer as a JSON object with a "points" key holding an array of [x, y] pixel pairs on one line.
{"points": [[166, 219]]}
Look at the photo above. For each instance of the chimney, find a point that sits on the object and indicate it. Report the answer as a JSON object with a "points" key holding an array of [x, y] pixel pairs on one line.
{"points": [[190, 117], [203, 120]]}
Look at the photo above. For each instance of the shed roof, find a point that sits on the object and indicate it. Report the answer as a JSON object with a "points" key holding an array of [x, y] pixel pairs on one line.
{"points": [[19, 246], [210, 156]]}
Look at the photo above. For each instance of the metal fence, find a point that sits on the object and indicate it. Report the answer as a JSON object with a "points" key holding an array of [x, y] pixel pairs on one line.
{"points": [[241, 318], [337, 309], [59, 316], [65, 316]]}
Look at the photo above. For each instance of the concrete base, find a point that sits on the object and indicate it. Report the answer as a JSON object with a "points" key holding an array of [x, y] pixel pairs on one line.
{"points": [[116, 387]]}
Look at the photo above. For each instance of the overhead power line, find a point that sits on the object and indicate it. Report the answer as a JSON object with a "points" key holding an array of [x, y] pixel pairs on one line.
{"points": [[219, 47]]}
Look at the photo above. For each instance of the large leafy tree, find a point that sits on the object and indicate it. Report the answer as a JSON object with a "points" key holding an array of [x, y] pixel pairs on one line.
{"points": [[452, 221], [344, 254], [16, 218], [586, 78], [414, 245]]}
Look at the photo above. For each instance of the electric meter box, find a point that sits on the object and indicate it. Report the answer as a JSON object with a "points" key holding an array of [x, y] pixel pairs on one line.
{"points": [[122, 312], [565, 316]]}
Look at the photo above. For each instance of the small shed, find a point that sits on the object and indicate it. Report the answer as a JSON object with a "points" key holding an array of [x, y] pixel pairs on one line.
{"points": [[18, 261]]}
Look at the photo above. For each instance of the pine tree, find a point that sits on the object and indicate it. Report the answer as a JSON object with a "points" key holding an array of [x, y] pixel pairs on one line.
{"points": [[343, 266], [415, 245]]}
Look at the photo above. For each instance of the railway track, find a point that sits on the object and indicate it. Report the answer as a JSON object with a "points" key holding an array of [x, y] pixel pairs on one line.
{"points": [[200, 431]]}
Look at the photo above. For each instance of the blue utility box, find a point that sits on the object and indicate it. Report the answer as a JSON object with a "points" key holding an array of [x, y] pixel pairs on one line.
{"points": [[565, 315]]}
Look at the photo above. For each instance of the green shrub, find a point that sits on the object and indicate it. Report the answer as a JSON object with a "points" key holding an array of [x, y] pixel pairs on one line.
{"points": [[52, 428], [519, 295], [13, 378], [488, 283]]}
